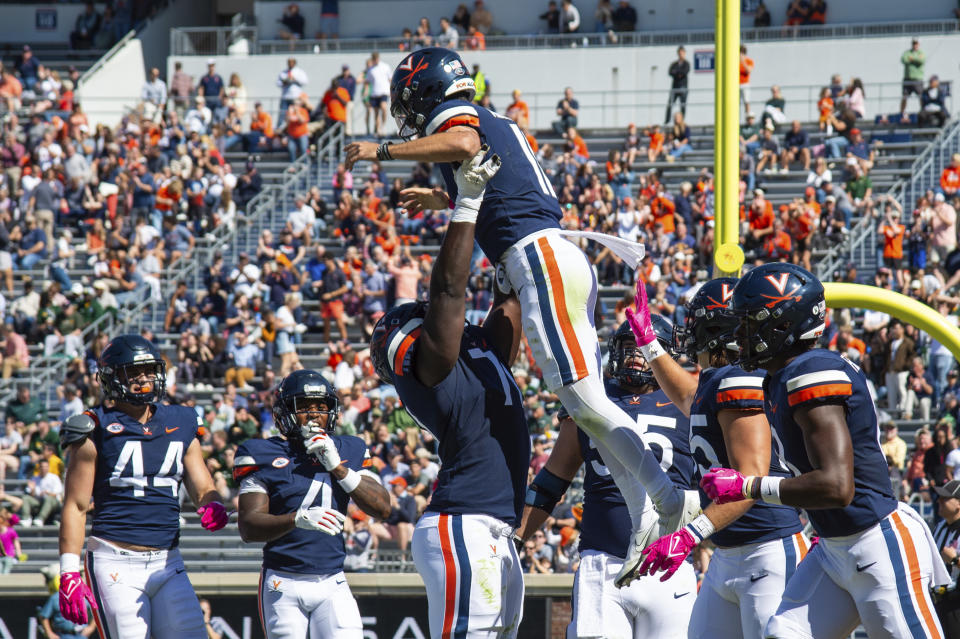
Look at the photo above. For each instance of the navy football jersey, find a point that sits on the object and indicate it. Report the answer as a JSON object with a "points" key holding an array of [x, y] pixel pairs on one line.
{"points": [[477, 416], [825, 377], [732, 387], [606, 522], [519, 200], [139, 469], [294, 480]]}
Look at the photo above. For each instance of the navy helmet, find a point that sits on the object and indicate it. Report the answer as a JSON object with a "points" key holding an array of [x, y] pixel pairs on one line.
{"points": [[398, 326], [290, 399], [623, 345], [780, 308], [122, 362], [421, 82], [708, 326]]}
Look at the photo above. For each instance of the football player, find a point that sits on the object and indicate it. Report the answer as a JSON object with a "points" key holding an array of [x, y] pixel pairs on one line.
{"points": [[647, 608], [130, 454], [518, 229], [876, 560], [455, 381], [758, 544], [294, 492]]}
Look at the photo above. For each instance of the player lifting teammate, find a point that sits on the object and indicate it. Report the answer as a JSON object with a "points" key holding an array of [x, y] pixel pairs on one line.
{"points": [[294, 492], [647, 608], [876, 560], [130, 454], [519, 230], [455, 381], [758, 544]]}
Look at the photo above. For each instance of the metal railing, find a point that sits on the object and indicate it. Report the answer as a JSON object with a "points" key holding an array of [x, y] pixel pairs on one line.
{"points": [[108, 55], [926, 170], [218, 40]]}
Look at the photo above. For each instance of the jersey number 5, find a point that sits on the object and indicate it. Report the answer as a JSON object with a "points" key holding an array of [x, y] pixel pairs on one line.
{"points": [[169, 475]]}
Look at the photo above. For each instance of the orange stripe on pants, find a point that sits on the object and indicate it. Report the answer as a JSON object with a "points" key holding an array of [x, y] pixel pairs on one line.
{"points": [[801, 545], [916, 582], [450, 576], [260, 604], [560, 308]]}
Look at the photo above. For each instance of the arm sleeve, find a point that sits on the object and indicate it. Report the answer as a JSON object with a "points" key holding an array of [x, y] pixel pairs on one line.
{"points": [[744, 392], [454, 114], [818, 387]]}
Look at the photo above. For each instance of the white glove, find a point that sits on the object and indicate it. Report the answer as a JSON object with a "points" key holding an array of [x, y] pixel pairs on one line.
{"points": [[324, 450], [326, 520], [310, 429], [471, 178]]}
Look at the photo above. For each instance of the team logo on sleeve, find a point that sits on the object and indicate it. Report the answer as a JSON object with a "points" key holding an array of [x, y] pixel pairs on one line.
{"points": [[115, 427], [280, 462], [147, 430]]}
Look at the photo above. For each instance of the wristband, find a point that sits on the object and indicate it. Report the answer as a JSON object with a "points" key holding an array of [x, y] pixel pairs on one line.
{"points": [[383, 151], [701, 527], [653, 350], [763, 488], [351, 481], [69, 562], [465, 214]]}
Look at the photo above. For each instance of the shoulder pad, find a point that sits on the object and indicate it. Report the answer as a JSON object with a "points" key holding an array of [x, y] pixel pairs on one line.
{"points": [[76, 428], [259, 453]]}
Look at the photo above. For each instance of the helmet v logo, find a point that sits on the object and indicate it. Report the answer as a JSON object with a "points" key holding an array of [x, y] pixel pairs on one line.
{"points": [[726, 292], [421, 65], [779, 282]]}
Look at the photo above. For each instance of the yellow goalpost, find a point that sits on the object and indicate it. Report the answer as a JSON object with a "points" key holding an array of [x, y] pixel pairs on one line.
{"points": [[728, 255]]}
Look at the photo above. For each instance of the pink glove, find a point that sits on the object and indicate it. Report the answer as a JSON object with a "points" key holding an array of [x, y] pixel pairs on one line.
{"points": [[213, 516], [723, 485], [813, 543], [73, 597], [667, 554], [639, 320]]}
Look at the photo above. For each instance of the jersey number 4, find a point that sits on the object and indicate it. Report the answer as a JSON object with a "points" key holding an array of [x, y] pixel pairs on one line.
{"points": [[169, 475]]}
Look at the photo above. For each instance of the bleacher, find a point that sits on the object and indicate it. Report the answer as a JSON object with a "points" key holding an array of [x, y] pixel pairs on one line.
{"points": [[56, 56]]}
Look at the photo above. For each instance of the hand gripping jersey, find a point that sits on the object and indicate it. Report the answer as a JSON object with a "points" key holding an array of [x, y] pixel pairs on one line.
{"points": [[294, 480], [519, 200], [606, 522], [825, 377], [477, 416], [139, 469], [732, 387]]}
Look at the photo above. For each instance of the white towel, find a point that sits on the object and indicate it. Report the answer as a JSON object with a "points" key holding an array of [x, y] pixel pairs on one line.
{"points": [[629, 252]]}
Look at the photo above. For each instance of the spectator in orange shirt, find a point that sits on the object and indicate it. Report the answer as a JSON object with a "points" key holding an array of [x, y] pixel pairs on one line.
{"points": [[261, 129], [746, 68], [800, 225], [893, 233], [825, 107], [334, 104], [778, 247], [759, 218], [475, 40], [577, 145], [655, 148], [950, 178], [663, 211], [297, 121], [10, 90], [518, 111]]}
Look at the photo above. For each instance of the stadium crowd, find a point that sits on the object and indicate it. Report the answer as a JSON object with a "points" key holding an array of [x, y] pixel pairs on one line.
{"points": [[131, 200]]}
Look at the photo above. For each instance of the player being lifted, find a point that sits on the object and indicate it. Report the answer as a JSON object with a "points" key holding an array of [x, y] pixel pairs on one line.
{"points": [[518, 229], [130, 454], [455, 381], [758, 544], [294, 492], [647, 608], [876, 559]]}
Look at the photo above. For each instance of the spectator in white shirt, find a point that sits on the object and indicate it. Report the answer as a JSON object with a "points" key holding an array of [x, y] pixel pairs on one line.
{"points": [[199, 117], [448, 37], [291, 82], [378, 76], [570, 22], [70, 402], [10, 444], [154, 96], [301, 221]]}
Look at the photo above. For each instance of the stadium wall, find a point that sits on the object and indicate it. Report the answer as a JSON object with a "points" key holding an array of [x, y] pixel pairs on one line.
{"points": [[617, 85], [36, 23], [392, 605], [114, 88], [365, 18]]}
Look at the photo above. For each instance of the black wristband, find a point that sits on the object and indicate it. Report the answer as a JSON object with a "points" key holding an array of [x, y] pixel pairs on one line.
{"points": [[383, 151]]}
